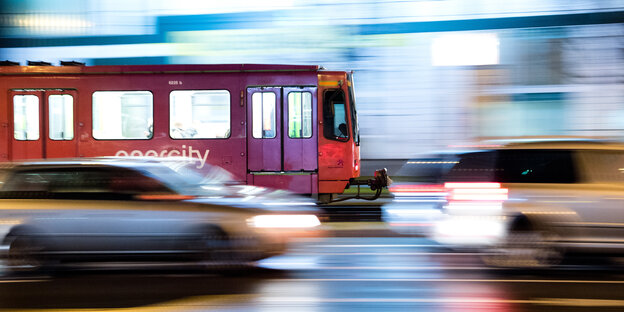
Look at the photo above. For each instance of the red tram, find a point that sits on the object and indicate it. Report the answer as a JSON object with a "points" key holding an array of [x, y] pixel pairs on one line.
{"points": [[284, 126]]}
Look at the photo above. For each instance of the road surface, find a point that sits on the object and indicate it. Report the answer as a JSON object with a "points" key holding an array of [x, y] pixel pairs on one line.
{"points": [[329, 274]]}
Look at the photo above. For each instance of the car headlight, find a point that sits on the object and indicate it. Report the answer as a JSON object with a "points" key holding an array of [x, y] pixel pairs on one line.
{"points": [[284, 221], [11, 221]]}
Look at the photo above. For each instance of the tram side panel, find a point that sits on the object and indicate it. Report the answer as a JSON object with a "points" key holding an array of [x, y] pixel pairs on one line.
{"points": [[282, 130], [105, 105], [4, 121], [32, 127], [190, 113]]}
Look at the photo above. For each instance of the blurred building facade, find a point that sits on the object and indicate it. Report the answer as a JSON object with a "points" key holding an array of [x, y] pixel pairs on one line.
{"points": [[429, 74]]}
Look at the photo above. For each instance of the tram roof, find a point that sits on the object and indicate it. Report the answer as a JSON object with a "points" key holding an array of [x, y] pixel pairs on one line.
{"points": [[169, 68]]}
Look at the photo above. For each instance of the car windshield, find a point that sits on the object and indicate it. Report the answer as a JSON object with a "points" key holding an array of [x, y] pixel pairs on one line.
{"points": [[515, 166], [183, 177]]}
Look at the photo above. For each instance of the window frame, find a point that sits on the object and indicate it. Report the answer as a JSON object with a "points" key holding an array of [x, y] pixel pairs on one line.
{"points": [[120, 139], [73, 117], [39, 121], [325, 119], [311, 111], [229, 132], [274, 116]]}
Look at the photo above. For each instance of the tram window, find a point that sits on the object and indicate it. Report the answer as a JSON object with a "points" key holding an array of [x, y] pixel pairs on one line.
{"points": [[123, 115], [61, 116], [26, 117], [300, 115], [199, 114], [335, 116], [263, 112]]}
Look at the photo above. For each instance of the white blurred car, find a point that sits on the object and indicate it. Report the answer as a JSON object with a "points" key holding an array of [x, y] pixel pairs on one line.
{"points": [[142, 210], [529, 204]]}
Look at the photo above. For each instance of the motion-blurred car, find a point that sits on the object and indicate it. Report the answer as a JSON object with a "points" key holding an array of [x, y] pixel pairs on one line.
{"points": [[142, 210], [529, 204]]}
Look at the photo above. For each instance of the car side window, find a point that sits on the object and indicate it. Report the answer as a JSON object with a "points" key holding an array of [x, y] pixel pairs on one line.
{"points": [[535, 166], [26, 182], [516, 166], [83, 180], [604, 166], [126, 181]]}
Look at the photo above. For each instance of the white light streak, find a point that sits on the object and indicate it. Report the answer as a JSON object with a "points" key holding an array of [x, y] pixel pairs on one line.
{"points": [[465, 49], [284, 221]]}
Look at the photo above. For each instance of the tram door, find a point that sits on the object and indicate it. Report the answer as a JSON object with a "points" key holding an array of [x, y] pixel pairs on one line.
{"points": [[281, 129], [43, 123]]}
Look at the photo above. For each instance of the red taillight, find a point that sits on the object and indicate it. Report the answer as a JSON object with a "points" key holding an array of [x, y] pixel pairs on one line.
{"points": [[164, 197], [476, 191]]}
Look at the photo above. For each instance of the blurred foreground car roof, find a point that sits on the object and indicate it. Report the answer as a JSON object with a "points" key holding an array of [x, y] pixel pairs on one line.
{"points": [[550, 142], [179, 175]]}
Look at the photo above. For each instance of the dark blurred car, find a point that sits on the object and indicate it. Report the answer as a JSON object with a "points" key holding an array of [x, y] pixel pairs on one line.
{"points": [[530, 204], [142, 210]]}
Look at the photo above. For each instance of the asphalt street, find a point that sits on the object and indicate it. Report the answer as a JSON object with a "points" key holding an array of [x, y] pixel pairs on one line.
{"points": [[328, 274]]}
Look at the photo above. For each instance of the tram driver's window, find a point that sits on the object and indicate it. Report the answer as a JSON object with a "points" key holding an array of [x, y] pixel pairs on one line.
{"points": [[123, 115], [335, 116], [26, 117], [199, 114], [263, 114], [61, 116]]}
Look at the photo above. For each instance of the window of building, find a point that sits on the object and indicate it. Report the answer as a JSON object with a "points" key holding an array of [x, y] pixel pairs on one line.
{"points": [[299, 115], [522, 114], [465, 48], [26, 117], [335, 116], [263, 115], [199, 114], [61, 116], [123, 115]]}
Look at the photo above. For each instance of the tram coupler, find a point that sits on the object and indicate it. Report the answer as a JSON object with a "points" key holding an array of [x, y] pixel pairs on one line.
{"points": [[380, 180], [377, 183]]}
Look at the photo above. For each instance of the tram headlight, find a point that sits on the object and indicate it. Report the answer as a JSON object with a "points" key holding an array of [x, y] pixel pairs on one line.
{"points": [[284, 221]]}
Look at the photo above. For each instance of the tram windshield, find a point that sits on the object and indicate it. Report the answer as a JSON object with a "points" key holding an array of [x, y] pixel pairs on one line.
{"points": [[354, 120]]}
